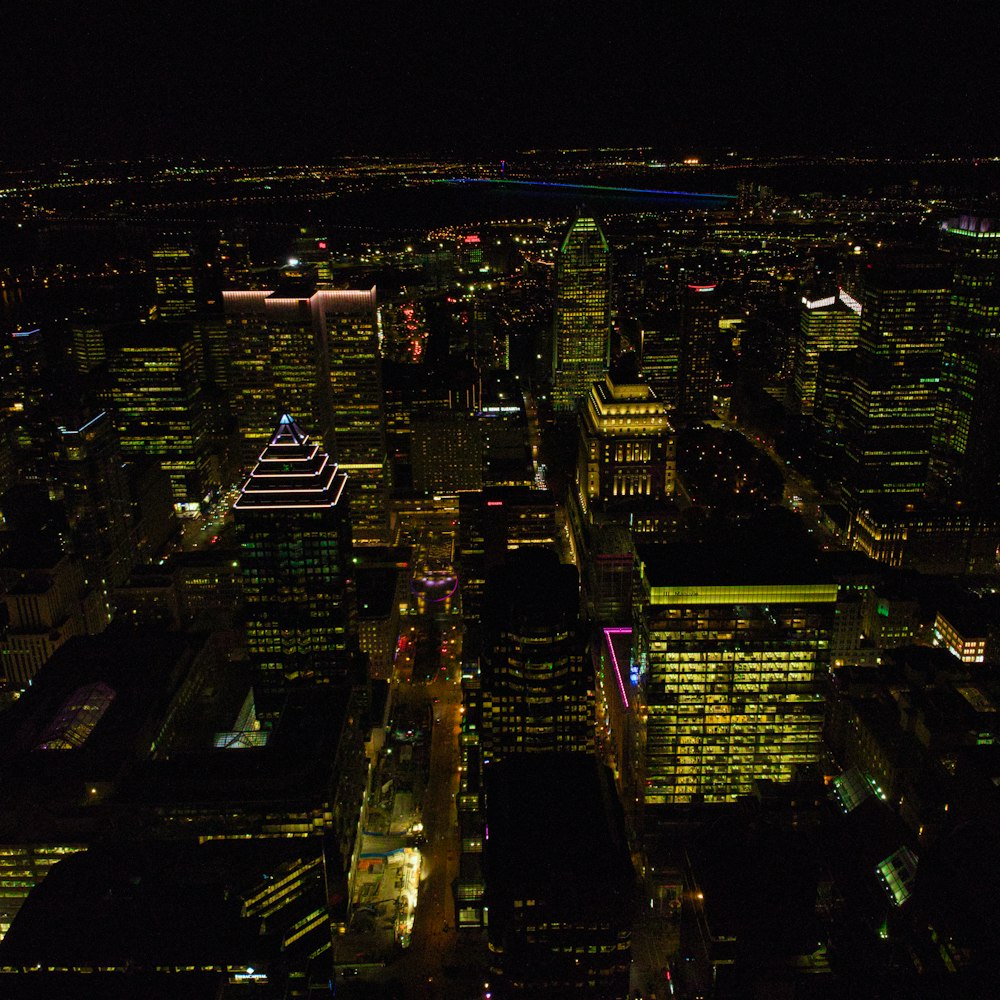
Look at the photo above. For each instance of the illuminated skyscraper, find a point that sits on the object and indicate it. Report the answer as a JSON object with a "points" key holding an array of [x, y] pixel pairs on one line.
{"points": [[973, 330], [447, 452], [730, 647], [175, 277], [319, 353], [276, 359], [415, 391], [294, 534], [660, 356], [22, 371], [699, 329], [350, 322], [627, 446], [581, 339], [234, 257], [827, 324], [158, 406], [88, 348], [894, 383]]}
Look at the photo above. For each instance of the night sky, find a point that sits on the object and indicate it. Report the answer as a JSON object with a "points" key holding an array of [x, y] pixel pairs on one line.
{"points": [[267, 80]]}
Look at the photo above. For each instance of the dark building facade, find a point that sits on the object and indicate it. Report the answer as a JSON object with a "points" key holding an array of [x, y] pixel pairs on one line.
{"points": [[699, 329], [537, 685], [98, 499], [559, 879], [493, 522]]}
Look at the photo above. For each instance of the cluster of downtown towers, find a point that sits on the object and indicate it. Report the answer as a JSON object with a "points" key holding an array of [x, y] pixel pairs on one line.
{"points": [[693, 665]]}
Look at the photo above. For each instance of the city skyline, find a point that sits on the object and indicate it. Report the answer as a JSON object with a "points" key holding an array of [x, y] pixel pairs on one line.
{"points": [[467, 574]]}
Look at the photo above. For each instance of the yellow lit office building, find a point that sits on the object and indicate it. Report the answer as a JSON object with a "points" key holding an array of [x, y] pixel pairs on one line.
{"points": [[827, 324], [729, 648], [316, 352], [627, 446], [582, 318]]}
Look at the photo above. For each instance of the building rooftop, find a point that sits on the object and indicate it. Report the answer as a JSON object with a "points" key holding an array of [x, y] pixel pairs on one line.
{"points": [[291, 474], [294, 766], [765, 551], [533, 589], [90, 716]]}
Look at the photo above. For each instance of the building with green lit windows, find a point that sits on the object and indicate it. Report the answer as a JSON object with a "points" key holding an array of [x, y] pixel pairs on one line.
{"points": [[967, 409], [158, 407], [581, 337], [730, 644], [627, 447], [294, 535]]}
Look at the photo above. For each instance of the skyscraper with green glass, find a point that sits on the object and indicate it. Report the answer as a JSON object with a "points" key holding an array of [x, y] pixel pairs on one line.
{"points": [[294, 533], [971, 337], [581, 341]]}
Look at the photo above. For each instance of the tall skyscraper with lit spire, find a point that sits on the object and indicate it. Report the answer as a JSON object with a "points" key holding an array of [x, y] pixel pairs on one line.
{"points": [[294, 532], [581, 336]]}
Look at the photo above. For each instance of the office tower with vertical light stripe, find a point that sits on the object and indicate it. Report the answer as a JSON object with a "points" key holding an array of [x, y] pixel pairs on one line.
{"points": [[699, 329], [581, 338], [966, 416], [294, 534]]}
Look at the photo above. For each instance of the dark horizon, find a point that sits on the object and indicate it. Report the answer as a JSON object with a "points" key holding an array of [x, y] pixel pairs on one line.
{"points": [[232, 81]]}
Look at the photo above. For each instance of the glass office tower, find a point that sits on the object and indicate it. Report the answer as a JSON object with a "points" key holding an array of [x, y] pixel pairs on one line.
{"points": [[582, 321]]}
